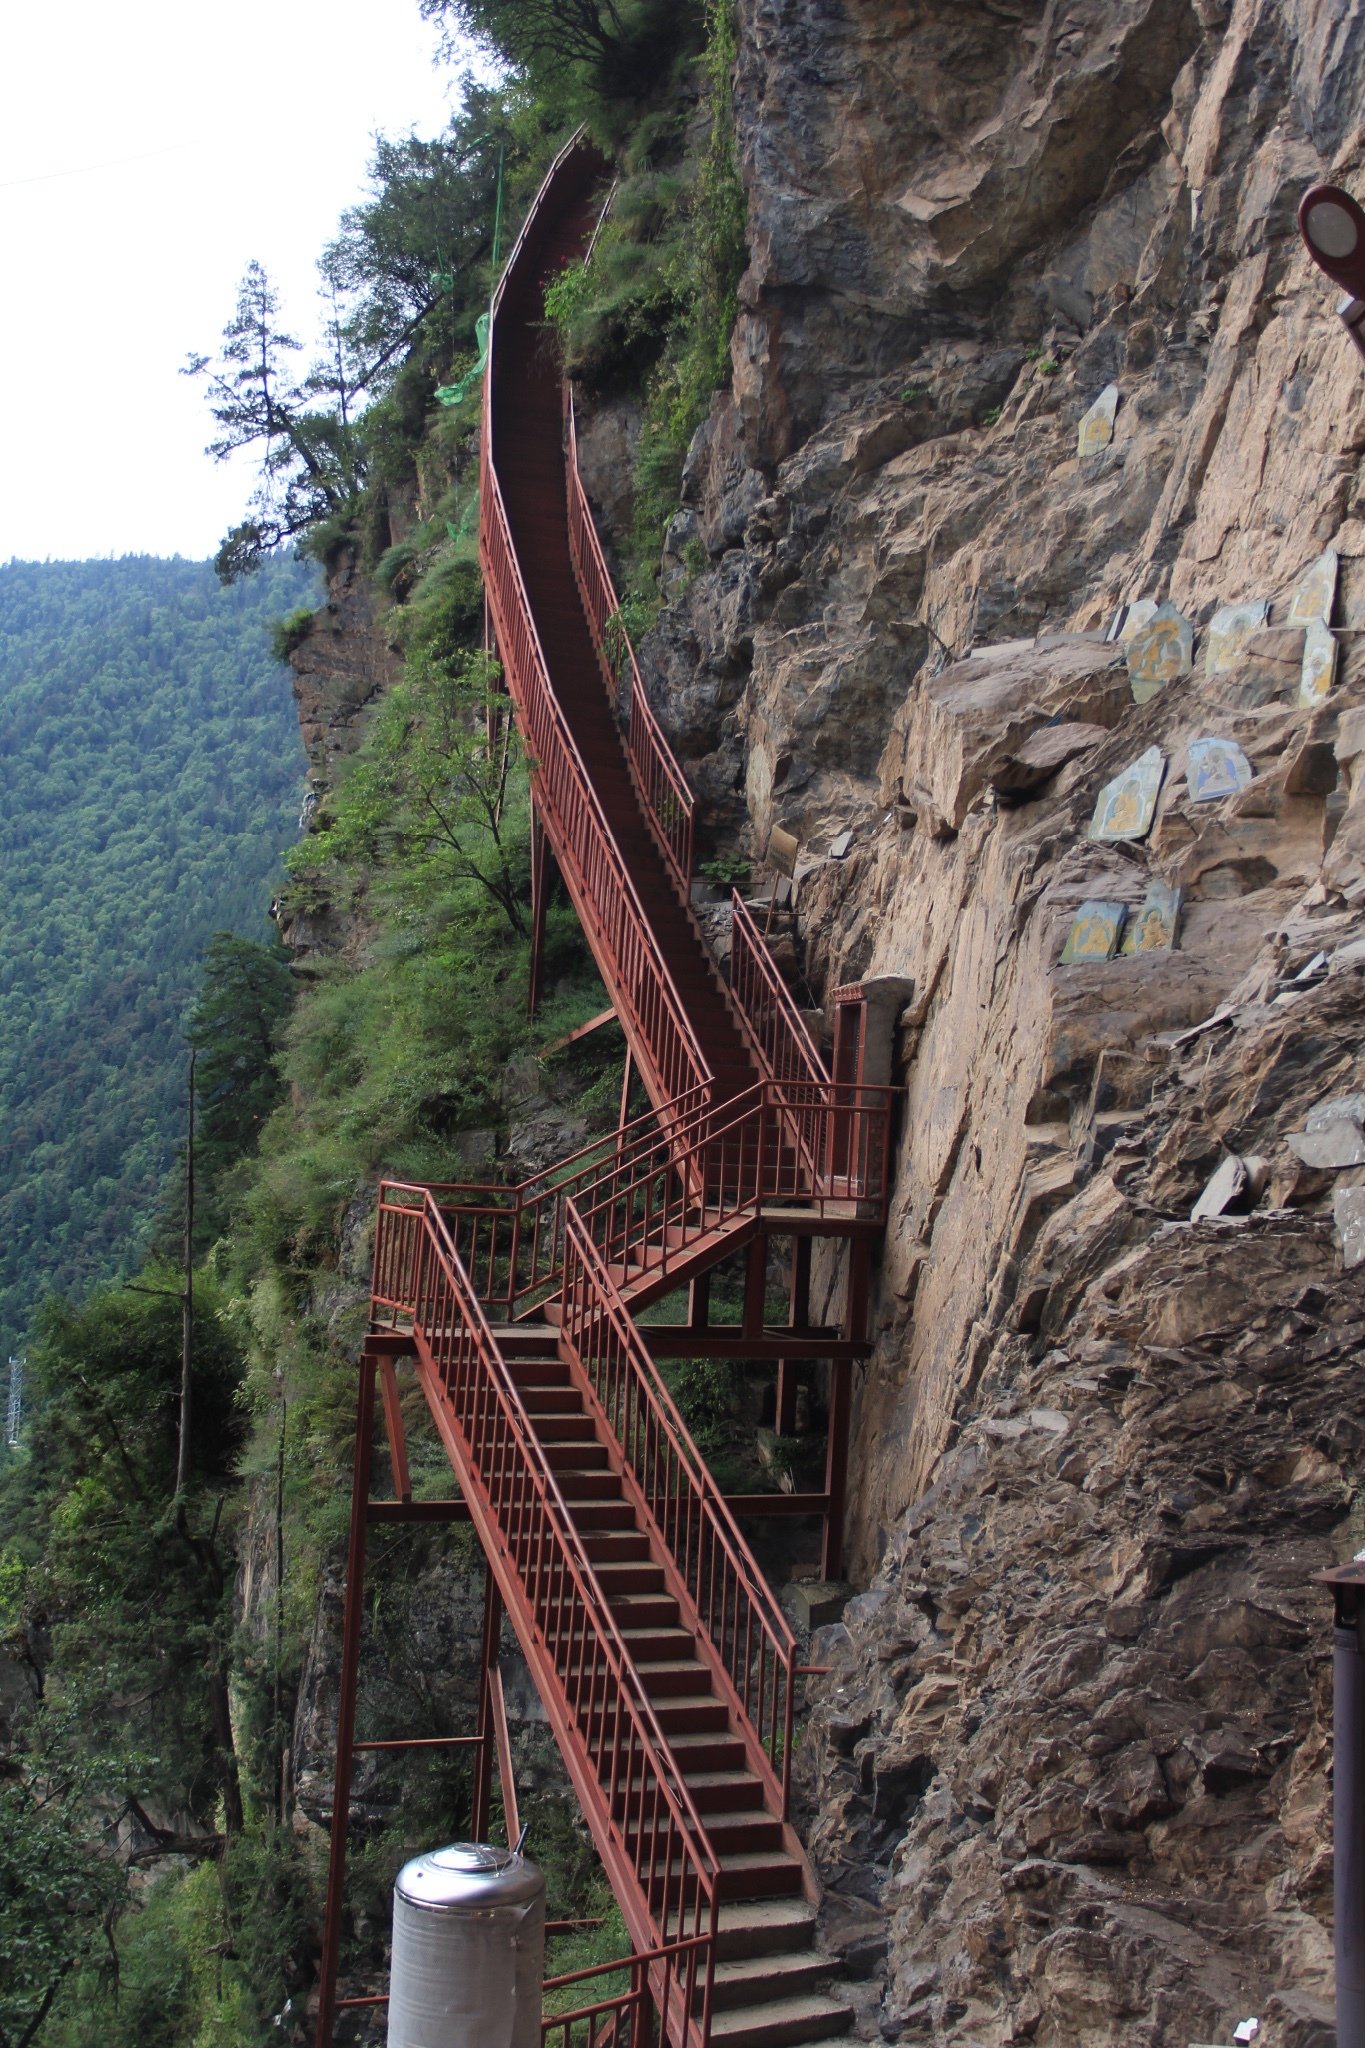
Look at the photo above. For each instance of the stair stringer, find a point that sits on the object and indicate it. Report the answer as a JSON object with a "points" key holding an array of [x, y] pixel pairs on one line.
{"points": [[662, 1555], [616, 1858]]}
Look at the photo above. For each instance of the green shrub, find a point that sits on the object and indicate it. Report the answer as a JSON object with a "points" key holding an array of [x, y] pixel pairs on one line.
{"points": [[291, 631], [726, 872]]}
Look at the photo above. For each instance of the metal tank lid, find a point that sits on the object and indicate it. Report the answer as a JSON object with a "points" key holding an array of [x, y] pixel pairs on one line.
{"points": [[469, 1874]]}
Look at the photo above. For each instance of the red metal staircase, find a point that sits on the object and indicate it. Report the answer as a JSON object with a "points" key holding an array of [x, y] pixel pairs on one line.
{"points": [[664, 1662]]}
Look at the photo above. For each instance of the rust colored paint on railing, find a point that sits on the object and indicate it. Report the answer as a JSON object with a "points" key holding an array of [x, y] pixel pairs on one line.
{"points": [[652, 1190], [590, 861], [641, 1808], [729, 1599], [668, 801], [694, 1174], [663, 1980], [775, 1027], [662, 1182]]}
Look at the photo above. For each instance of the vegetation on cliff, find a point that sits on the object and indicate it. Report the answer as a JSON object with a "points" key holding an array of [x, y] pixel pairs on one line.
{"points": [[151, 769], [407, 1050]]}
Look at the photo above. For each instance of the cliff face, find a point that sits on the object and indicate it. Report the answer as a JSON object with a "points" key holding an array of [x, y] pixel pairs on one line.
{"points": [[1067, 1780]]}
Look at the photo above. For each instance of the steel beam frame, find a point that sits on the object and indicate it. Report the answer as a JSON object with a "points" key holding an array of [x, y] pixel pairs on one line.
{"points": [[378, 1386]]}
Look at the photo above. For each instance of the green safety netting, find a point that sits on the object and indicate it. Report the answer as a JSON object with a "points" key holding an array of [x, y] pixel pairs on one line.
{"points": [[451, 394]]}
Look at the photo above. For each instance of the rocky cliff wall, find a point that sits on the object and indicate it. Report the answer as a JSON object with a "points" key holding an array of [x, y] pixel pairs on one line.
{"points": [[1067, 1779]]}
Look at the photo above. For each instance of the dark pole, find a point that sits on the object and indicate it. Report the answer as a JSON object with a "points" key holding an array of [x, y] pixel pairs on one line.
{"points": [[1348, 1797], [182, 1463], [347, 1685]]}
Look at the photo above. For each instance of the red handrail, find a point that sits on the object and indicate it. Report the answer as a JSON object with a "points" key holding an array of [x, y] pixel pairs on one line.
{"points": [[728, 1597], [774, 1026], [589, 859], [642, 1808], [659, 1979], [511, 1239], [668, 800], [823, 1147], [651, 1190], [595, 873]]}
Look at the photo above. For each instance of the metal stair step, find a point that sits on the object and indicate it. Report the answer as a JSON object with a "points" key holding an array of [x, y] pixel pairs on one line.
{"points": [[604, 1514], [708, 1750], [657, 1645], [760, 1980], [540, 1375], [600, 1486], [566, 1426], [615, 1546], [674, 1679], [525, 1341], [692, 1717], [780, 2022], [544, 1404], [643, 1610], [577, 1457], [748, 1833], [759, 1927], [749, 1874], [630, 1576], [723, 1791]]}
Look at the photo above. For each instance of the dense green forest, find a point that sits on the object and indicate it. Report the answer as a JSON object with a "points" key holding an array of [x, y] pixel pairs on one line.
{"points": [[138, 1702], [151, 768]]}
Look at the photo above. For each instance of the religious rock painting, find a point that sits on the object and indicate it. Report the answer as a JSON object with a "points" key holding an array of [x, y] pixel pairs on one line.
{"points": [[1312, 602], [1094, 933], [1229, 631], [1125, 807], [1096, 429], [1216, 768], [1153, 928], [1160, 652], [1319, 663]]}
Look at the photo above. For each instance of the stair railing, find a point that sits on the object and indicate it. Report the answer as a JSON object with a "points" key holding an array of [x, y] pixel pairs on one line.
{"points": [[774, 1026], [590, 861], [578, 1658], [511, 1239], [668, 800], [604, 896], [730, 1600], [652, 1190], [620, 2019]]}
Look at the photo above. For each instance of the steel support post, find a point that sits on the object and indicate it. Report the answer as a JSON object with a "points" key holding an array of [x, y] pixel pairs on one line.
{"points": [[540, 876], [699, 1302], [859, 1287], [836, 1468], [393, 1429], [799, 1318], [1348, 1797], [755, 1285], [627, 1080], [483, 1762], [494, 1737], [352, 1614]]}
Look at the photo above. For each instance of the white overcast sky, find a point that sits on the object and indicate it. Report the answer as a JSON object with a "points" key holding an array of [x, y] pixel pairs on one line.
{"points": [[251, 130]]}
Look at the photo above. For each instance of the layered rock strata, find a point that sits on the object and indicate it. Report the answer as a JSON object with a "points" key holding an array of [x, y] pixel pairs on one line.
{"points": [[1067, 1778]]}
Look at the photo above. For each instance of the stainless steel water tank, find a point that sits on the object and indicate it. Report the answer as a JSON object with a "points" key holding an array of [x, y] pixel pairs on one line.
{"points": [[468, 1950]]}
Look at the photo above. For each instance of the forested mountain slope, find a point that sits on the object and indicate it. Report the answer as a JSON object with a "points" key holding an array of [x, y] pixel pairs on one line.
{"points": [[150, 771]]}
